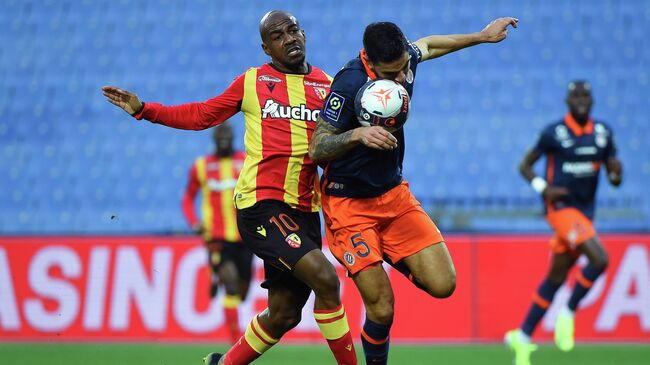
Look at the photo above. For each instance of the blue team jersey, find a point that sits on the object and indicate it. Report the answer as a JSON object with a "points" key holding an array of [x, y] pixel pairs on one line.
{"points": [[574, 155], [362, 172]]}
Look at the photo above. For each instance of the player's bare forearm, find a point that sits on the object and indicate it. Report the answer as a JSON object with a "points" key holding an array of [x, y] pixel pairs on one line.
{"points": [[435, 46], [614, 171], [328, 142], [526, 165]]}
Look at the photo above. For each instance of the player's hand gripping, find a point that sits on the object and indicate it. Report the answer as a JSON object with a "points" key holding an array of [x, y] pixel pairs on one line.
{"points": [[375, 137], [123, 98], [497, 30], [554, 193]]}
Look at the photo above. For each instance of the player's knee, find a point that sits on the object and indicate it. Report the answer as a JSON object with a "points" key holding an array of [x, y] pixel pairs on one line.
{"points": [[442, 286], [284, 321], [600, 263], [327, 283], [232, 287], [381, 312]]}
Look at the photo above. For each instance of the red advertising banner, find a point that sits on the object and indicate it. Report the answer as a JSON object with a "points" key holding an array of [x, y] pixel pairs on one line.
{"points": [[156, 288]]}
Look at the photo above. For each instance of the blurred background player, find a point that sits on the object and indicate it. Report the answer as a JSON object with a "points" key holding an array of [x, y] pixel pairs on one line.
{"points": [[370, 213], [277, 205], [575, 148], [215, 175]]}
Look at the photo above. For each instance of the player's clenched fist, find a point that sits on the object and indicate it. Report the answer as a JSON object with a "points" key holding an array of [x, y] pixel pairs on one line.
{"points": [[123, 98], [375, 137]]}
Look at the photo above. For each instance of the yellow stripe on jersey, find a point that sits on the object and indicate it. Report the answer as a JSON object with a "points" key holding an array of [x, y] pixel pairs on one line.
{"points": [[227, 208], [246, 184], [206, 208], [315, 200], [299, 141]]}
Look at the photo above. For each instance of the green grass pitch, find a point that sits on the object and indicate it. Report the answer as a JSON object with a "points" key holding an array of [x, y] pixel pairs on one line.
{"points": [[181, 354]]}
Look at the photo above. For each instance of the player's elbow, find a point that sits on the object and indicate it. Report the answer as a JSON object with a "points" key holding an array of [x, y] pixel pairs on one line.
{"points": [[314, 156], [524, 168]]}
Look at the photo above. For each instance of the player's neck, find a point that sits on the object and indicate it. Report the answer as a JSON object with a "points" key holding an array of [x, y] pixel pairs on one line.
{"points": [[581, 119], [301, 69], [224, 154]]}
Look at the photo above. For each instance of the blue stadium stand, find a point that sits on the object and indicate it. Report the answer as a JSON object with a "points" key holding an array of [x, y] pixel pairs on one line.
{"points": [[69, 161]]}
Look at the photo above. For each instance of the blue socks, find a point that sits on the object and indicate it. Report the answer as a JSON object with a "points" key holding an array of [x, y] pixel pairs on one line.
{"points": [[375, 339], [584, 280], [541, 301]]}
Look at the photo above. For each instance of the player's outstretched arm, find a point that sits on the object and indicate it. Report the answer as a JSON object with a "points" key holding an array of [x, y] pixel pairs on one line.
{"points": [[329, 142], [435, 46], [123, 99], [614, 171], [190, 116]]}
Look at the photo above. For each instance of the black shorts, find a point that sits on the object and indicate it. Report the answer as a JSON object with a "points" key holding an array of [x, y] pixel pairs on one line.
{"points": [[279, 235], [220, 251]]}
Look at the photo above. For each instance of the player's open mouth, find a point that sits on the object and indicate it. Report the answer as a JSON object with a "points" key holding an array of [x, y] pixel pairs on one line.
{"points": [[294, 51]]}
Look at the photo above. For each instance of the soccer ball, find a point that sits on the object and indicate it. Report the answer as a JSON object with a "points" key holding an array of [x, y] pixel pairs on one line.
{"points": [[385, 103]]}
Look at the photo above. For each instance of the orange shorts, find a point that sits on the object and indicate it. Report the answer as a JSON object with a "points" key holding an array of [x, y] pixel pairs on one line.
{"points": [[361, 232], [571, 227]]}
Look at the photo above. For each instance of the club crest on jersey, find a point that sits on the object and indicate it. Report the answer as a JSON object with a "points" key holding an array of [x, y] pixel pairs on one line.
{"points": [[321, 93], [349, 258], [293, 240]]}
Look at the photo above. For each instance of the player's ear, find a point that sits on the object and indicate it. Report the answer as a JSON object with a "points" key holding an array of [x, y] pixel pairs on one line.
{"points": [[367, 61], [266, 50]]}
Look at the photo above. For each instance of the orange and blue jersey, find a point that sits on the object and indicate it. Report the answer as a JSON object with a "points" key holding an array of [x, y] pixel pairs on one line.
{"points": [[362, 172], [280, 112], [574, 156], [215, 177]]}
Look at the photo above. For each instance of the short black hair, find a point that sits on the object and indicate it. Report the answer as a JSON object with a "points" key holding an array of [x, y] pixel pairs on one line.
{"points": [[384, 42], [579, 84]]}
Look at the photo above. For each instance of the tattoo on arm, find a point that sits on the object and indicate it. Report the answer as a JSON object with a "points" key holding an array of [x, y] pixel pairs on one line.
{"points": [[329, 142]]}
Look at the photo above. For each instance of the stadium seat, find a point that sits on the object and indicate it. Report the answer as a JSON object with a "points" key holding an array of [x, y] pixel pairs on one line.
{"points": [[69, 160]]}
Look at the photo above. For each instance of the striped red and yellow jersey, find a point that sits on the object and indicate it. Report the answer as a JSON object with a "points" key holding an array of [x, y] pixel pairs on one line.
{"points": [[215, 177], [280, 112]]}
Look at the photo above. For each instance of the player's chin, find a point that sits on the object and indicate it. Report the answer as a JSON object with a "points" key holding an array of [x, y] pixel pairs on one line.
{"points": [[296, 59]]}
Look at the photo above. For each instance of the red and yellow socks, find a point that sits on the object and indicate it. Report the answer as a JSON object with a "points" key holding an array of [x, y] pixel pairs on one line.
{"points": [[333, 324], [231, 312], [251, 345]]}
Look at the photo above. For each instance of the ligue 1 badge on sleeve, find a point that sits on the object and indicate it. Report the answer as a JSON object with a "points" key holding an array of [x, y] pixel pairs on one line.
{"points": [[333, 106]]}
